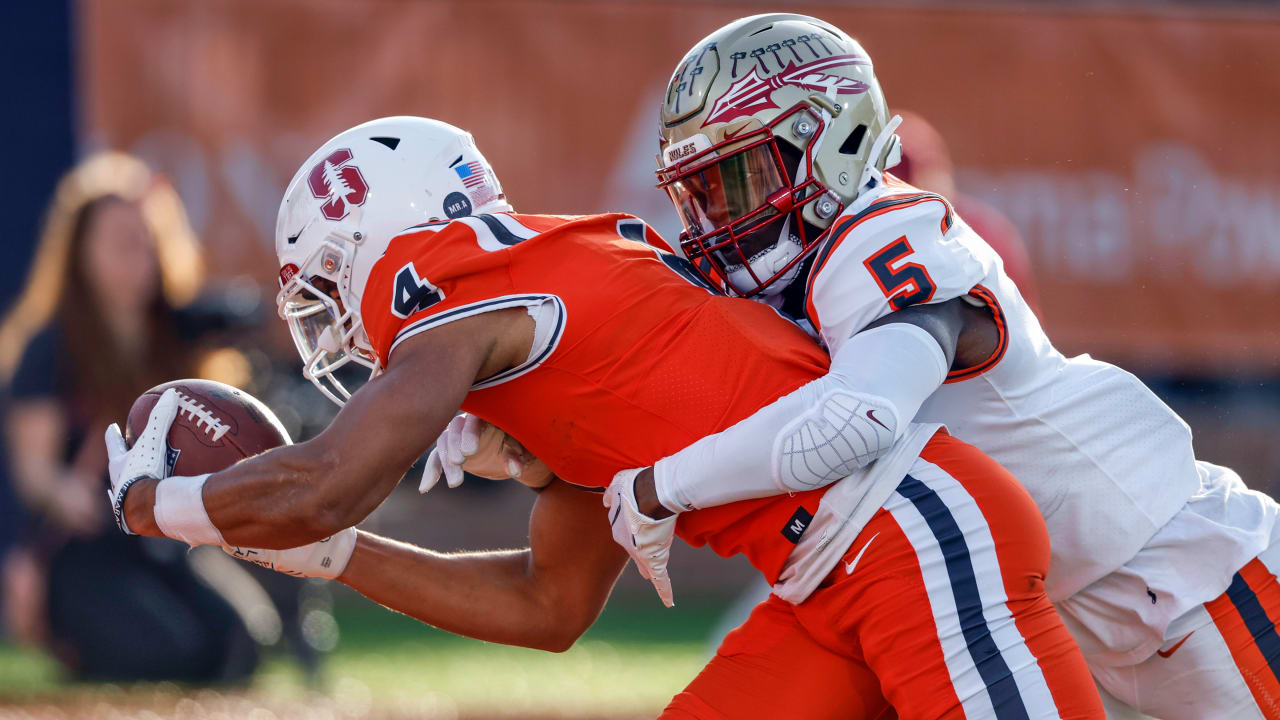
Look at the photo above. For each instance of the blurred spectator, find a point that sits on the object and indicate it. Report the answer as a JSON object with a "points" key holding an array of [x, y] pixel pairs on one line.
{"points": [[94, 328], [926, 163]]}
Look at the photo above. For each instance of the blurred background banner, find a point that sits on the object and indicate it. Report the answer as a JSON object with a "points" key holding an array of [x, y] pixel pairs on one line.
{"points": [[1135, 152]]}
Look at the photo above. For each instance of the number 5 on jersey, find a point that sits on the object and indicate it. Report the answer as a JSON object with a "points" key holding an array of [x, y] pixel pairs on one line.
{"points": [[905, 284], [413, 293]]}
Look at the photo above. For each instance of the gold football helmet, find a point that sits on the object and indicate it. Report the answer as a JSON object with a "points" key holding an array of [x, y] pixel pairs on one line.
{"points": [[771, 126]]}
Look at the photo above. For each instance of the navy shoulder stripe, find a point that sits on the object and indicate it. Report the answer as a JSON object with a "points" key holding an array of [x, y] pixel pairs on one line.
{"points": [[500, 231], [843, 225]]}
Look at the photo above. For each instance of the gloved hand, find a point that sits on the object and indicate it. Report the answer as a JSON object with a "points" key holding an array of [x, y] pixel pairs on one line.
{"points": [[646, 540], [147, 458], [325, 558], [459, 441], [472, 445]]}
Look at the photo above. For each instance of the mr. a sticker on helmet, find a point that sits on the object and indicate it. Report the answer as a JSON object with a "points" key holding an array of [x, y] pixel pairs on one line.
{"points": [[413, 293], [456, 205]]}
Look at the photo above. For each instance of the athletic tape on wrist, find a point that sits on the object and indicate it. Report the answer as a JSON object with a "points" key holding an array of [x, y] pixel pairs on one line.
{"points": [[180, 513]]}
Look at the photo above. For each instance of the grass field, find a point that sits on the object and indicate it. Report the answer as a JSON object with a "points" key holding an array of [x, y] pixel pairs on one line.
{"points": [[388, 666]]}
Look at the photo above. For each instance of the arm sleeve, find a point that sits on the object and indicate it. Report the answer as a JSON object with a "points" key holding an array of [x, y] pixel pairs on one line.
{"points": [[817, 434]]}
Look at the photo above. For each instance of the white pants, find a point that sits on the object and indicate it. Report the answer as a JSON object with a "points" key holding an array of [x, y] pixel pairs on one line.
{"points": [[1195, 675], [1117, 710], [1161, 636]]}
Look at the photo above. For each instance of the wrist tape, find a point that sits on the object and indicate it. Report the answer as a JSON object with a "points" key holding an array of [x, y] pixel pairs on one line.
{"points": [[180, 513]]}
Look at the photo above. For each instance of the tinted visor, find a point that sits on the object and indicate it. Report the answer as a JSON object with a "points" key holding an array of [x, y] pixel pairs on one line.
{"points": [[718, 194]]}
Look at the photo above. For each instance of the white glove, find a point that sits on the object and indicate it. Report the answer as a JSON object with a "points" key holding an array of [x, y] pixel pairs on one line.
{"points": [[646, 540], [473, 445], [147, 458], [458, 442], [325, 558]]}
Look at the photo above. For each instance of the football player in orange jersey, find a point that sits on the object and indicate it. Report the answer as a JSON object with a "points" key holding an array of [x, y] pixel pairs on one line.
{"points": [[600, 353]]}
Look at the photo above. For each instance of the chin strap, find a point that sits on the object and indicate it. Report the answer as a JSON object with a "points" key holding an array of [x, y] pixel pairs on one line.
{"points": [[771, 261], [885, 141]]}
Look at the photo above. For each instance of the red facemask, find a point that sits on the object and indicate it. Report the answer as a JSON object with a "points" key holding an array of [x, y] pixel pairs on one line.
{"points": [[734, 204]]}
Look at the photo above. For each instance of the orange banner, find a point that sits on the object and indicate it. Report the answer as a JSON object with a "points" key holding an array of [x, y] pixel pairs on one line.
{"points": [[1137, 154]]}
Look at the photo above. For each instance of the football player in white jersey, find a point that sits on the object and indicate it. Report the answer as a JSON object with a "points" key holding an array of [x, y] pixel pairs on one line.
{"points": [[775, 142]]}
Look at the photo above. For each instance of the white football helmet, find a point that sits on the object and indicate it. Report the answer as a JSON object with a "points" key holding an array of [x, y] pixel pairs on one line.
{"points": [[342, 208]]}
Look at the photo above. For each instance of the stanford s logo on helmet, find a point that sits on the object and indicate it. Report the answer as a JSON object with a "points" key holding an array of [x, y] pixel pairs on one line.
{"points": [[338, 183]]}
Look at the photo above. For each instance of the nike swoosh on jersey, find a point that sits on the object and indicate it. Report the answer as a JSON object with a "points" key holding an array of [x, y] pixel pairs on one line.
{"points": [[1169, 653], [848, 569], [873, 419]]}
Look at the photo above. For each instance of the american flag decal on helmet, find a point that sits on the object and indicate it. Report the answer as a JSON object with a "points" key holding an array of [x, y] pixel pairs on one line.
{"points": [[471, 174], [751, 93]]}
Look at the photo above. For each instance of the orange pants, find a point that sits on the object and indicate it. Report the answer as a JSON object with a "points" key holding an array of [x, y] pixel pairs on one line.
{"points": [[937, 610]]}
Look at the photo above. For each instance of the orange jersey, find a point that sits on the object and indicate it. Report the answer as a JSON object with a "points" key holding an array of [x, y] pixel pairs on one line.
{"points": [[633, 360]]}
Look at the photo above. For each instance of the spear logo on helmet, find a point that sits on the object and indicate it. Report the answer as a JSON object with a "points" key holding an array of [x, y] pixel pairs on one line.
{"points": [[751, 93], [339, 184]]}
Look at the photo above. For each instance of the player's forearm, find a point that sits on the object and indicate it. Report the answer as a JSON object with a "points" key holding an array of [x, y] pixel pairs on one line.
{"points": [[292, 496], [815, 435], [489, 596], [288, 497], [302, 493]]}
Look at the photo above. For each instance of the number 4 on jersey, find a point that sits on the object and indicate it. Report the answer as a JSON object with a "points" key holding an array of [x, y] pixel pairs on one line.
{"points": [[413, 293]]}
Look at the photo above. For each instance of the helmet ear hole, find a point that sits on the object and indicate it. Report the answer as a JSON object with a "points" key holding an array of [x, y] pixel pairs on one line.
{"points": [[853, 142]]}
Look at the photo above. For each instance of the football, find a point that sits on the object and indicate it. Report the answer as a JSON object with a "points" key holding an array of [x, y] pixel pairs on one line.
{"points": [[216, 426]]}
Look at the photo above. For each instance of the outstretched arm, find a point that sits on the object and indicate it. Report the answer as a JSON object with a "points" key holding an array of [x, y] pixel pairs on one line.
{"points": [[827, 428], [541, 597], [809, 438], [297, 494]]}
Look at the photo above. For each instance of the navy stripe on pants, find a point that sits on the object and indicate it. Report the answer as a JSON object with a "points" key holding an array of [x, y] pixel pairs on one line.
{"points": [[1261, 627], [995, 673]]}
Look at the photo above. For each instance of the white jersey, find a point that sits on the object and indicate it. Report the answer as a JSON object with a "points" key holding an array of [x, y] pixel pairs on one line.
{"points": [[1105, 460]]}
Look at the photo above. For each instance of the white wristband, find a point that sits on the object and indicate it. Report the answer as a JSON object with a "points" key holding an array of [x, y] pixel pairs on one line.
{"points": [[180, 513]]}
